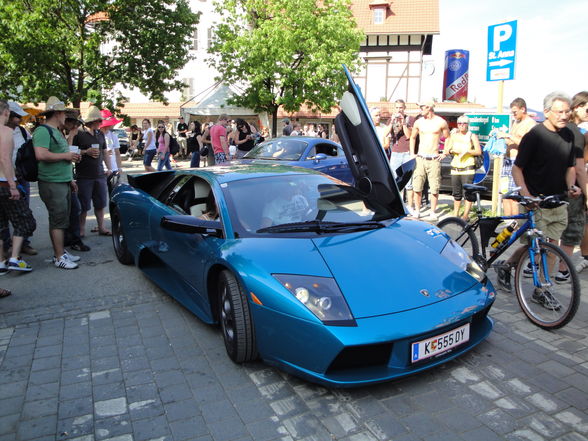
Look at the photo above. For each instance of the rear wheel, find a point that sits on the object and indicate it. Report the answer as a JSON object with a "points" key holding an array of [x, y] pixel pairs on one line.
{"points": [[235, 320], [552, 304], [118, 239], [455, 227]]}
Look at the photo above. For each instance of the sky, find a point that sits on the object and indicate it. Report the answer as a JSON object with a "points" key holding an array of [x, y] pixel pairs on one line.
{"points": [[551, 48]]}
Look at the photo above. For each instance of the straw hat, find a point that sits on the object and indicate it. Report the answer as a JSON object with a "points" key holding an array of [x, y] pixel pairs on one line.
{"points": [[93, 115], [54, 104]]}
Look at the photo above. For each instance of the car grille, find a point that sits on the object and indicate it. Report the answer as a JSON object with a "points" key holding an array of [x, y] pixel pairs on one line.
{"points": [[355, 357]]}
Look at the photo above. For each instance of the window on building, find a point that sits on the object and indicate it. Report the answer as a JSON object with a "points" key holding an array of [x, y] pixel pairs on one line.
{"points": [[210, 36], [379, 15], [195, 40]]}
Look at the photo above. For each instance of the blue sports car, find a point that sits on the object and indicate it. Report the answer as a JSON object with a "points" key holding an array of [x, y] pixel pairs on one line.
{"points": [[327, 281], [304, 151]]}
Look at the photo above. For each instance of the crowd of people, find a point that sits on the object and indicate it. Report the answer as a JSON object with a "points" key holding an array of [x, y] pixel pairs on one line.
{"points": [[79, 161]]}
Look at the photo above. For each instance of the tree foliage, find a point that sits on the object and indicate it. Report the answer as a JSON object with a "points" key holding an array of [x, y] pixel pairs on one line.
{"points": [[285, 52], [58, 47]]}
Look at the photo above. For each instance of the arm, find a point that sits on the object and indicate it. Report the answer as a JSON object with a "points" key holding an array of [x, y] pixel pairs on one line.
{"points": [[448, 146], [149, 138], [224, 144], [405, 128], [6, 147], [445, 129], [476, 144], [413, 137], [166, 143], [573, 191], [517, 174], [43, 154], [200, 143]]}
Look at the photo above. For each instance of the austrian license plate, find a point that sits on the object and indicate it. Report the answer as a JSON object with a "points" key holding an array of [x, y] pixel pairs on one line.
{"points": [[430, 347]]}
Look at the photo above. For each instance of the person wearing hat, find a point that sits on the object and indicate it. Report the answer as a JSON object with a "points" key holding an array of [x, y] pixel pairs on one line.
{"points": [[56, 178], [429, 130], [13, 206], [112, 145], [287, 130], [463, 145], [90, 176], [21, 135]]}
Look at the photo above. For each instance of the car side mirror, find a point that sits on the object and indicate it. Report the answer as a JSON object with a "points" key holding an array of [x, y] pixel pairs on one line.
{"points": [[319, 157], [191, 225], [404, 173]]}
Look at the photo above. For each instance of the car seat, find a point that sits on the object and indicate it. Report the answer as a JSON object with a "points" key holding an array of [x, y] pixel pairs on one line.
{"points": [[201, 191]]}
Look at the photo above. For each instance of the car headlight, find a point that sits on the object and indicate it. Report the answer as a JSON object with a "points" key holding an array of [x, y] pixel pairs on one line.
{"points": [[321, 296], [458, 256]]}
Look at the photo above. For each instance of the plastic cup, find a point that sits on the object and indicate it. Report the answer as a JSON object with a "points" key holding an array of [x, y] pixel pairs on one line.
{"points": [[74, 149]]}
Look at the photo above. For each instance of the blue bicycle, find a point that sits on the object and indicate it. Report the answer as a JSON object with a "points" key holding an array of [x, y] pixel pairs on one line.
{"points": [[545, 301]]}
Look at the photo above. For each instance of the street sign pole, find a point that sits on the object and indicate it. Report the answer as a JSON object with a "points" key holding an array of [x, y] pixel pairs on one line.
{"points": [[496, 197]]}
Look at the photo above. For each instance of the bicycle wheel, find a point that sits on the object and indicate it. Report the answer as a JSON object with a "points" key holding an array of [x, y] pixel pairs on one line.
{"points": [[551, 305], [455, 227]]}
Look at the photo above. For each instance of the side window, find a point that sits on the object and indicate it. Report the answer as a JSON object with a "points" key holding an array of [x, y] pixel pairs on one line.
{"points": [[327, 149], [311, 153], [340, 152], [182, 195], [172, 188]]}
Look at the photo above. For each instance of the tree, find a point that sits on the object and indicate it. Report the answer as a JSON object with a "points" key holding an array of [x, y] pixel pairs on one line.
{"points": [[285, 53], [77, 49]]}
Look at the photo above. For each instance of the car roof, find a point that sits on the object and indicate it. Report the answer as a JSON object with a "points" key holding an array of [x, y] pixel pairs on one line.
{"points": [[231, 173]]}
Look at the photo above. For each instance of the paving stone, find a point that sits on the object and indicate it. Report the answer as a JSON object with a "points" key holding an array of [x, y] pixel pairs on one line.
{"points": [[188, 429], [39, 408], [112, 407], [228, 429], [42, 391], [103, 392], [75, 408], [574, 397], [9, 423], [76, 390], [10, 406], [150, 428], [499, 421], [37, 427], [75, 376], [175, 392], [146, 409], [136, 378], [181, 410], [76, 427], [385, 428], [113, 427]]}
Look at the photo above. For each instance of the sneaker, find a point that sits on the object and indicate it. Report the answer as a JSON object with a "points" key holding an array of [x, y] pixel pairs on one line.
{"points": [[503, 275], [434, 217], [3, 268], [528, 271], [546, 300], [80, 246], [18, 265], [64, 263], [28, 250], [71, 257], [582, 265], [562, 276]]}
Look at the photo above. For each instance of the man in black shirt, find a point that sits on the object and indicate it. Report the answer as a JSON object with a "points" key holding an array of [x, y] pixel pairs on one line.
{"points": [[182, 138], [545, 165]]}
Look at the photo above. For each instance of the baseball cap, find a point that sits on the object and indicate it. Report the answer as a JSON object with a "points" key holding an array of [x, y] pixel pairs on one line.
{"points": [[286, 120], [15, 107], [428, 103]]}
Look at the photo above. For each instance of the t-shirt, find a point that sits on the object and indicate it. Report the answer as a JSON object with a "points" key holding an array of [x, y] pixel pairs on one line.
{"points": [[59, 171], [545, 156], [247, 145], [112, 144], [89, 167], [151, 145], [215, 137], [287, 130], [182, 126], [398, 140]]}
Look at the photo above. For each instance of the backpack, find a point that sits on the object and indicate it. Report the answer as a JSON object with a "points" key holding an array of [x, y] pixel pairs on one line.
{"points": [[478, 160], [174, 147], [26, 164]]}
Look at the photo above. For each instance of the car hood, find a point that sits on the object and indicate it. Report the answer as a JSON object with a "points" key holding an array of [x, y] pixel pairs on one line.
{"points": [[392, 269]]}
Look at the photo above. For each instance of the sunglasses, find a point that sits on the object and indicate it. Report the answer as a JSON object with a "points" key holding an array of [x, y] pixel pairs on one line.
{"points": [[161, 127]]}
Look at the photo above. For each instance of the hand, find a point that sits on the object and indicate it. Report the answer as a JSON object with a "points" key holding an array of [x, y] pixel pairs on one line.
{"points": [[94, 153], [574, 191], [14, 194], [74, 186], [75, 157]]}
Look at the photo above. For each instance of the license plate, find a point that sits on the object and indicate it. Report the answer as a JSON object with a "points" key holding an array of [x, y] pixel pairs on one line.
{"points": [[430, 347]]}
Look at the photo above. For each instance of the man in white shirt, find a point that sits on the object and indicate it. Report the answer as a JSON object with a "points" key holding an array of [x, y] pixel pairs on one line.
{"points": [[112, 146]]}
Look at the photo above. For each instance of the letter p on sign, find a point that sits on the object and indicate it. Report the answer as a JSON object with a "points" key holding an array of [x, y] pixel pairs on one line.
{"points": [[501, 34]]}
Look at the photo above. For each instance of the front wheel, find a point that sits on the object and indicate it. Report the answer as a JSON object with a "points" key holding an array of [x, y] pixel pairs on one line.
{"points": [[553, 303], [235, 320], [457, 229], [118, 239]]}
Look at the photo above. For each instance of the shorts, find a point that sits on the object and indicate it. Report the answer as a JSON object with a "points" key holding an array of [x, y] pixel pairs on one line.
{"points": [[220, 157], [148, 157], [427, 169], [17, 212], [457, 182], [507, 182], [92, 192], [551, 221], [57, 198], [396, 160], [574, 231]]}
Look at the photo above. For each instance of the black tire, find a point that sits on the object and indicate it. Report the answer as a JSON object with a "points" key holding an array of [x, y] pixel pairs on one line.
{"points": [[118, 239], [455, 227], [235, 319], [546, 314]]}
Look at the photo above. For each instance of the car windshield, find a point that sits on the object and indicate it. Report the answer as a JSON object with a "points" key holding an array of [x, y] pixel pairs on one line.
{"points": [[302, 204], [279, 150]]}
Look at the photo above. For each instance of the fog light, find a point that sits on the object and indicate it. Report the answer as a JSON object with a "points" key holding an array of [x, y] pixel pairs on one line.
{"points": [[302, 294]]}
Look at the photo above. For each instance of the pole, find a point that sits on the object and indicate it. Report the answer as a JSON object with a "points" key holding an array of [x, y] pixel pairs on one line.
{"points": [[497, 159]]}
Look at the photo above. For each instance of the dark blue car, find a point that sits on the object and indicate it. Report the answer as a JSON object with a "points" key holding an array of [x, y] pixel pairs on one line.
{"points": [[303, 151]]}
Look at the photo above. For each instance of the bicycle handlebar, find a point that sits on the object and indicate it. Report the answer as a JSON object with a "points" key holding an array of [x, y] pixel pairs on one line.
{"points": [[550, 201]]}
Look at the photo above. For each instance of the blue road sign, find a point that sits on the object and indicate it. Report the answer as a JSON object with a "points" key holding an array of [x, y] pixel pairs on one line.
{"points": [[502, 44]]}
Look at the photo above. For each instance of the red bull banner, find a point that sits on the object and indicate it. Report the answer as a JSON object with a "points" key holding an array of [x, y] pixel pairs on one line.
{"points": [[455, 77]]}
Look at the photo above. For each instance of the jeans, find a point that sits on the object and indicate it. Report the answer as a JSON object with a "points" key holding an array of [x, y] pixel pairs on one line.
{"points": [[164, 161], [396, 160], [195, 161]]}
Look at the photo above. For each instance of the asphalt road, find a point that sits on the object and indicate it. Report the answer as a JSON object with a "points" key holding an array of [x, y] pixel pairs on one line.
{"points": [[100, 353]]}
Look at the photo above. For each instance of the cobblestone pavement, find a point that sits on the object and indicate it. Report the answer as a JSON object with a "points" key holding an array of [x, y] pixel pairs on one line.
{"points": [[100, 353]]}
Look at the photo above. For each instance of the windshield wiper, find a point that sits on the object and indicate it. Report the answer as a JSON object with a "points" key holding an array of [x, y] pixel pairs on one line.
{"points": [[319, 226]]}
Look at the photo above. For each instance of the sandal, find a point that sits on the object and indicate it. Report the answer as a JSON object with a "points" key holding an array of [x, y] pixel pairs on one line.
{"points": [[94, 230], [105, 233], [80, 247], [4, 292]]}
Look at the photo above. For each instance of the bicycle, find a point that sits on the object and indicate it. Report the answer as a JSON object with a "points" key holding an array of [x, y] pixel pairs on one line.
{"points": [[545, 303]]}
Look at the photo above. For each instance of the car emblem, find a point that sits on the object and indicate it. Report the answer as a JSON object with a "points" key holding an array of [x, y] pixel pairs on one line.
{"points": [[425, 293]]}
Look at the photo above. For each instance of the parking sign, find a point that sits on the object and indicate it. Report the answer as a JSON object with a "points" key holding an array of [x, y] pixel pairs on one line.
{"points": [[502, 42]]}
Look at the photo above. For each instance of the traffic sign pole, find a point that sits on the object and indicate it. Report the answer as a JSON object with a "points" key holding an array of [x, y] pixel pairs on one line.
{"points": [[496, 199]]}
